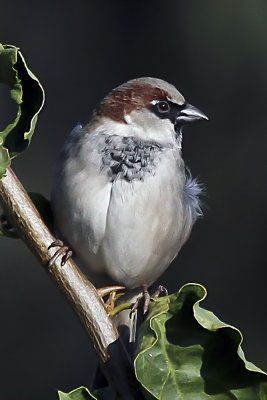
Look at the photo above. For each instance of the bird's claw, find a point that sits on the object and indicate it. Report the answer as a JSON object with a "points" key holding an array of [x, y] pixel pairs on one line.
{"points": [[161, 290], [110, 303], [6, 229], [144, 298], [107, 290], [64, 252], [113, 295]]}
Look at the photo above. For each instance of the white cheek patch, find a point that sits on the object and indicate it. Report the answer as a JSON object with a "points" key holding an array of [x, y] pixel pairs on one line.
{"points": [[127, 119]]}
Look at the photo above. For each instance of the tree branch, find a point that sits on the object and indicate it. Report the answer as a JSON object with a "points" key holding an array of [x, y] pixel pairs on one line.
{"points": [[80, 292]]}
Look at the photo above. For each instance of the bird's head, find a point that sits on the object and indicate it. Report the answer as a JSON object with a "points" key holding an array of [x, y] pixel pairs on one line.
{"points": [[148, 109]]}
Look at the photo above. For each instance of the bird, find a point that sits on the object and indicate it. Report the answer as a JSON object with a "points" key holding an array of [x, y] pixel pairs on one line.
{"points": [[122, 197]]}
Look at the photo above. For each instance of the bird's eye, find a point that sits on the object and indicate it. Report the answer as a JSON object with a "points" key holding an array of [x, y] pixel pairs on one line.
{"points": [[163, 107]]}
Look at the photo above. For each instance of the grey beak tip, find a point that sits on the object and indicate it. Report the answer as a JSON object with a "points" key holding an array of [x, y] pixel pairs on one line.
{"points": [[201, 117], [191, 114]]}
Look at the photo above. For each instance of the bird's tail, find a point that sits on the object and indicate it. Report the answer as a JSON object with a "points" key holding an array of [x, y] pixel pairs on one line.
{"points": [[127, 324]]}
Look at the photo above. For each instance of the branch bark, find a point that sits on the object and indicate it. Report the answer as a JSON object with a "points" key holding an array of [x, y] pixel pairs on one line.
{"points": [[80, 292]]}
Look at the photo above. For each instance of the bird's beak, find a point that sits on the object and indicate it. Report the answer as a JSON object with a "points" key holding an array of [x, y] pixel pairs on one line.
{"points": [[189, 113]]}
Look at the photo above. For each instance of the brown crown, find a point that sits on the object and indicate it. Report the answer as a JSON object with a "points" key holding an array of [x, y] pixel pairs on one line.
{"points": [[126, 98]]}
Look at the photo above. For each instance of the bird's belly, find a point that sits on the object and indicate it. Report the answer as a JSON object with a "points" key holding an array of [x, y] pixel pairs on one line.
{"points": [[144, 225], [123, 231]]}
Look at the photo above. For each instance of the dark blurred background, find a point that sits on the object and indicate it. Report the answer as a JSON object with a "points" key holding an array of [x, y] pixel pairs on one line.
{"points": [[216, 55]]}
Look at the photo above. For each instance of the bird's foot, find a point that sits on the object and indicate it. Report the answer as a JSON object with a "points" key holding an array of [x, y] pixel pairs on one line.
{"points": [[6, 229], [161, 290], [144, 299], [113, 296], [64, 252], [110, 303]]}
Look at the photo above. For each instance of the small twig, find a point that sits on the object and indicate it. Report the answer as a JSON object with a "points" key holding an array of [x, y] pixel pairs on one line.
{"points": [[80, 292]]}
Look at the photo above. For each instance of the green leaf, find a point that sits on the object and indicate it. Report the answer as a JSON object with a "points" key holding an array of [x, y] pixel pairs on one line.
{"points": [[27, 92], [4, 159], [81, 393], [186, 352]]}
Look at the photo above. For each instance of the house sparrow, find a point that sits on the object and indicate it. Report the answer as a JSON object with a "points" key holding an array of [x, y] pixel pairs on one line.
{"points": [[121, 197]]}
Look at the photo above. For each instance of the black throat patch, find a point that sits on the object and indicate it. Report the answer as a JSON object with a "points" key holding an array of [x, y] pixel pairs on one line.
{"points": [[129, 158]]}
